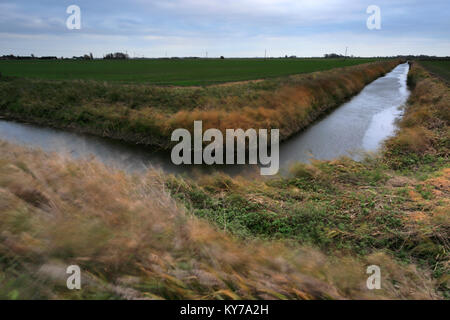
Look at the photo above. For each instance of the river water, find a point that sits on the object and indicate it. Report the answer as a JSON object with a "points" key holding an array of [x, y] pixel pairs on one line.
{"points": [[357, 127]]}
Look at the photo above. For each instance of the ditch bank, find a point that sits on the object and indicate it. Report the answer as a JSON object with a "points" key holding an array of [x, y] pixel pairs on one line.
{"points": [[148, 115]]}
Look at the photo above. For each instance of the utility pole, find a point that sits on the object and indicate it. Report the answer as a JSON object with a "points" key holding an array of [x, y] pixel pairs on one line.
{"points": [[346, 49], [265, 54]]}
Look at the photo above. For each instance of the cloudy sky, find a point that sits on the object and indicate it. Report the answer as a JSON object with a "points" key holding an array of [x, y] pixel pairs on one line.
{"points": [[233, 28]]}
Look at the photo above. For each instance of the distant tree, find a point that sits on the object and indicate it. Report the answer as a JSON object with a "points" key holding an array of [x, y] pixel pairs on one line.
{"points": [[222, 57], [333, 55], [117, 55]]}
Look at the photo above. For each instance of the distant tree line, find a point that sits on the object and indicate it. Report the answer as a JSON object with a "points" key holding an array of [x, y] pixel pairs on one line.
{"points": [[123, 56], [84, 57], [32, 57], [117, 55], [13, 57], [333, 55], [423, 57], [407, 57]]}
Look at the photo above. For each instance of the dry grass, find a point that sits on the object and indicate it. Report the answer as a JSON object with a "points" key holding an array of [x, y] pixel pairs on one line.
{"points": [[133, 241], [424, 128], [291, 107], [398, 202]]}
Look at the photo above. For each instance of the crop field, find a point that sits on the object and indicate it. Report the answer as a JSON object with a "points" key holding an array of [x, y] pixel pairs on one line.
{"points": [[178, 72], [440, 68]]}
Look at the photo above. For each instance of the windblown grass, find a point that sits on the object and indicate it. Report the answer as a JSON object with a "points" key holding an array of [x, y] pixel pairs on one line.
{"points": [[133, 241]]}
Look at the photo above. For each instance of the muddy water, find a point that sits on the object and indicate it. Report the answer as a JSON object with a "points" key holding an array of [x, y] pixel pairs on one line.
{"points": [[358, 126]]}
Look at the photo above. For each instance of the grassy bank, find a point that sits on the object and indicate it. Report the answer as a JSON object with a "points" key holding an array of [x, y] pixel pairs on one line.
{"points": [[132, 241], [397, 203], [149, 114], [309, 236]]}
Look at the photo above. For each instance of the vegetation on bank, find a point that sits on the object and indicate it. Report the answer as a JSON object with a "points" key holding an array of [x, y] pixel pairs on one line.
{"points": [[132, 241], [149, 114], [398, 202], [308, 236], [177, 72]]}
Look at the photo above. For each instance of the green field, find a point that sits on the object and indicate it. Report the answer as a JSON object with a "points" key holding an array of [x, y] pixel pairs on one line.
{"points": [[180, 72], [440, 68]]}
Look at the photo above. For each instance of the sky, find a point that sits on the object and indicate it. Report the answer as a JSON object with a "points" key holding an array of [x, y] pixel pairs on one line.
{"points": [[232, 28]]}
